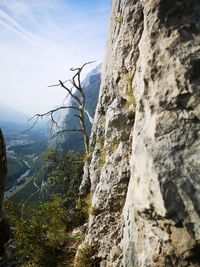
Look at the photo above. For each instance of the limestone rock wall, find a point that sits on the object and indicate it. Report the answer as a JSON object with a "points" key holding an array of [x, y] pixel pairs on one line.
{"points": [[4, 226], [145, 164], [3, 167], [162, 224]]}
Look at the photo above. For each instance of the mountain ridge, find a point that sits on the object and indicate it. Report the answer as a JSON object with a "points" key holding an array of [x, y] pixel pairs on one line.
{"points": [[9, 114]]}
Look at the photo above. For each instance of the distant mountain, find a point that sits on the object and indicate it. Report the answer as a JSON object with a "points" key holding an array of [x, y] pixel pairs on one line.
{"points": [[15, 125], [9, 114], [66, 118], [92, 85]]}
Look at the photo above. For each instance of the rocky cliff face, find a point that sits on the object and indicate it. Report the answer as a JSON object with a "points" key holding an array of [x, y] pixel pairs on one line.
{"points": [[145, 165], [4, 226], [3, 167]]}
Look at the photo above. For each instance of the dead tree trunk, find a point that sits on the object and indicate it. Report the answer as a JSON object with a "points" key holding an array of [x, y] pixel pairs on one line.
{"points": [[3, 167], [75, 90]]}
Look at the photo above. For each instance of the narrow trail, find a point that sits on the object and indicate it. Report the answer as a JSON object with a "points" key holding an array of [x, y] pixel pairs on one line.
{"points": [[26, 200]]}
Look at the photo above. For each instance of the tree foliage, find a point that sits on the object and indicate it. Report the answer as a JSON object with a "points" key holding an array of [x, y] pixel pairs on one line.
{"points": [[44, 235], [63, 174]]}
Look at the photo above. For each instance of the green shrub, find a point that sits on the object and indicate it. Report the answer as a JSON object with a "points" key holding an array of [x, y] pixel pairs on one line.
{"points": [[102, 158], [131, 115], [95, 211], [129, 79], [87, 256], [83, 205], [119, 19], [87, 158], [43, 236], [40, 237], [116, 141], [63, 174]]}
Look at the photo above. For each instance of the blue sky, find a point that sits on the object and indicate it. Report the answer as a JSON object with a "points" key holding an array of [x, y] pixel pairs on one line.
{"points": [[40, 40]]}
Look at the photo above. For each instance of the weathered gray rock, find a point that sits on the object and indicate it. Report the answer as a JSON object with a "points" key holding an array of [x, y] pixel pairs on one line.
{"points": [[111, 141], [162, 225], [146, 137], [3, 167], [4, 226]]}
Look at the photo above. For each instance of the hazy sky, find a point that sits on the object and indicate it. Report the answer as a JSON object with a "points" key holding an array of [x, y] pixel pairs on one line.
{"points": [[40, 40]]}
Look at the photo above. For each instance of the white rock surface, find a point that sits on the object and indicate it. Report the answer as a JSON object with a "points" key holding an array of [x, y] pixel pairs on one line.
{"points": [[145, 138]]}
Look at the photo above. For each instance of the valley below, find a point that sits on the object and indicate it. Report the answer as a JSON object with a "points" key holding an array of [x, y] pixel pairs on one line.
{"points": [[24, 153]]}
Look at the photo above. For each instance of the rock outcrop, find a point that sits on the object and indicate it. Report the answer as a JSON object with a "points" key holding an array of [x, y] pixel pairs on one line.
{"points": [[3, 167], [4, 226], [145, 165]]}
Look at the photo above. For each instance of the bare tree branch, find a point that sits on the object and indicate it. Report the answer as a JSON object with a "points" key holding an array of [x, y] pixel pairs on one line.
{"points": [[76, 98], [65, 131], [54, 123], [53, 110], [49, 113], [81, 68], [79, 99]]}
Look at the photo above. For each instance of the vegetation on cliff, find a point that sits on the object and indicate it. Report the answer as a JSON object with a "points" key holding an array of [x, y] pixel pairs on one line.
{"points": [[45, 236]]}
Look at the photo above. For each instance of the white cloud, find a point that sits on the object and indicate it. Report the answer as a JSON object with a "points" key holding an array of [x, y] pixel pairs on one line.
{"points": [[11, 24], [39, 42]]}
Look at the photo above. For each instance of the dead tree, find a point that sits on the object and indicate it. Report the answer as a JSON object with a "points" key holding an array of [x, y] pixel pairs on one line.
{"points": [[3, 167], [75, 90]]}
